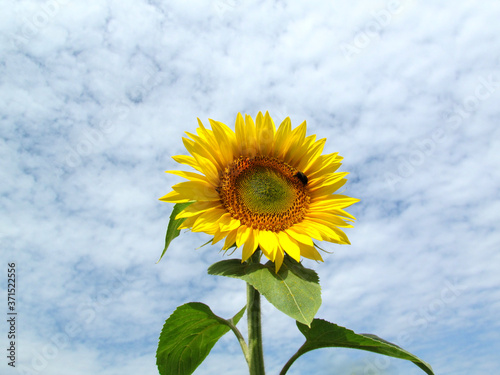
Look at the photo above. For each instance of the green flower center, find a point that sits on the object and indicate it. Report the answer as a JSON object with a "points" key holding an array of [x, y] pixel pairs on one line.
{"points": [[265, 190]]}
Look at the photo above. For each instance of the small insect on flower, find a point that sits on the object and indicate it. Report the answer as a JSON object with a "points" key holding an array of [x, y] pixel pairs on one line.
{"points": [[302, 177]]}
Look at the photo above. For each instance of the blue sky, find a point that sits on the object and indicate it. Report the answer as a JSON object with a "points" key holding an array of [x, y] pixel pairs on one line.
{"points": [[96, 97]]}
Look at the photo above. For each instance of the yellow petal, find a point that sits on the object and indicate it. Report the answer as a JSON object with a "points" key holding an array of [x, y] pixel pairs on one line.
{"points": [[197, 208], [289, 245], [326, 217], [228, 223], [242, 235], [336, 201], [278, 260], [251, 147], [218, 235], [208, 221], [265, 133], [189, 175], [304, 227], [299, 237], [326, 179], [208, 169], [312, 155], [225, 144], [310, 252], [250, 244], [174, 197], [299, 152], [296, 139], [230, 239], [197, 191], [268, 242], [239, 127], [327, 190], [188, 223], [203, 148], [224, 221], [325, 229], [318, 207], [343, 236], [324, 164], [281, 138], [188, 160]]}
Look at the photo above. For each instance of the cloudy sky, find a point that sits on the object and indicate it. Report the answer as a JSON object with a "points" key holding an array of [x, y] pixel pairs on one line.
{"points": [[96, 97]]}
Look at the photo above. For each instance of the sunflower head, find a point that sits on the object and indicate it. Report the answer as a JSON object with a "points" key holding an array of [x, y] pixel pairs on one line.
{"points": [[262, 187]]}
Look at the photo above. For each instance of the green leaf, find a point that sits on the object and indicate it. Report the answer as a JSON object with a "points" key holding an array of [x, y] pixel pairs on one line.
{"points": [[173, 224], [294, 290], [187, 337], [323, 334]]}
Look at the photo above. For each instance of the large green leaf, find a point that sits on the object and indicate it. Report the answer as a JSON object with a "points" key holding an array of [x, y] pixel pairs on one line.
{"points": [[294, 290], [323, 334], [173, 224], [187, 337]]}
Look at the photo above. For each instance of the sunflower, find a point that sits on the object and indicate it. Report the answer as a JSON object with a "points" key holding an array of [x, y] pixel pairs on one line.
{"points": [[259, 187]]}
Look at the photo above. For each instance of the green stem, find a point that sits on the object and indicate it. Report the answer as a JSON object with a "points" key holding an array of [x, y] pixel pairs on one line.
{"points": [[240, 338], [256, 354]]}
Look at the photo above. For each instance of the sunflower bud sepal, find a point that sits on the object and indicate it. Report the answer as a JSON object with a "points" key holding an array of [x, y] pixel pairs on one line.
{"points": [[173, 224]]}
